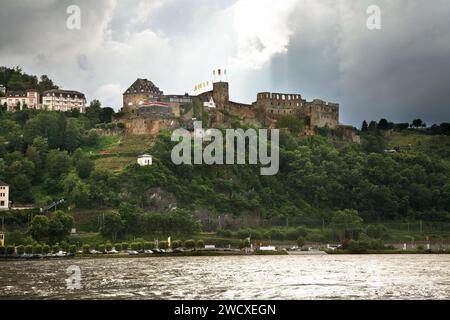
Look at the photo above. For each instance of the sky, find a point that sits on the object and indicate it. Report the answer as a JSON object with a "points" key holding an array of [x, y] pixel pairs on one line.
{"points": [[316, 48]]}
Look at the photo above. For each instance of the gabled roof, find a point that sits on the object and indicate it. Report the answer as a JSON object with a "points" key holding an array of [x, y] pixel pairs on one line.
{"points": [[16, 94], [64, 93], [3, 184], [143, 86]]}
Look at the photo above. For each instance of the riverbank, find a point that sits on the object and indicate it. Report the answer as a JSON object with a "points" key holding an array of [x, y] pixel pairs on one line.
{"points": [[199, 253]]}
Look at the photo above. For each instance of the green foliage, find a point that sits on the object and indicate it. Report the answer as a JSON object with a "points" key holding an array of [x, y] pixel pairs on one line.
{"points": [[163, 245], [294, 124], [20, 249], [200, 244], [86, 249], [362, 246], [176, 244], [101, 248], [55, 248], [56, 228], [190, 244], [29, 249], [301, 242], [112, 225], [377, 231], [72, 249], [118, 246], [39, 227], [37, 249], [2, 250], [125, 246], [347, 223], [46, 249], [10, 250]]}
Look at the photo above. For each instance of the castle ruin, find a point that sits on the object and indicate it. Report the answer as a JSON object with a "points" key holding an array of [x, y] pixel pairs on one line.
{"points": [[145, 108]]}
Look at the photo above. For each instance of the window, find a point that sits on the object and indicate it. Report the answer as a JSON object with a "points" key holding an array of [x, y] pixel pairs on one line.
{"points": [[2, 203]]}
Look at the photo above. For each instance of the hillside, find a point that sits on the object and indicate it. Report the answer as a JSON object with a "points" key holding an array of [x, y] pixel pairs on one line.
{"points": [[334, 188], [114, 153]]}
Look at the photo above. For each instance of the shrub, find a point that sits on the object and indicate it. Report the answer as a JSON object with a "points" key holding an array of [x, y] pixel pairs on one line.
{"points": [[200, 244], [176, 244], [362, 246], [101, 248], [64, 246], [2, 250], [244, 233], [135, 246], [86, 249], [125, 246], [224, 233], [244, 244], [46, 249], [377, 231], [301, 242], [37, 249], [29, 249], [20, 250], [294, 234], [118, 247], [108, 247], [10, 250], [163, 244], [73, 249], [190, 244], [149, 245], [55, 248], [276, 234]]}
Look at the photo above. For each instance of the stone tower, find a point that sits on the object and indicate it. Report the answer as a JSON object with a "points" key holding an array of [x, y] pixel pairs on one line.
{"points": [[221, 94]]}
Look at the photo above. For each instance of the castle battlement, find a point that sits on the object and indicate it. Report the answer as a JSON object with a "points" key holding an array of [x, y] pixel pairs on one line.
{"points": [[267, 109]]}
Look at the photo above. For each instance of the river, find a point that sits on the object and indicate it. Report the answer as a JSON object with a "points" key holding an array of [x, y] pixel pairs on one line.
{"points": [[233, 277]]}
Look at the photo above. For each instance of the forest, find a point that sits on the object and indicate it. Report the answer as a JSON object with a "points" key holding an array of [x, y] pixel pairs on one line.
{"points": [[47, 156]]}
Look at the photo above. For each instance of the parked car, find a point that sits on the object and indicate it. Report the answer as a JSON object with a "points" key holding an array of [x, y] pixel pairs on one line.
{"points": [[133, 252], [148, 251], [94, 252], [113, 251], [61, 254]]}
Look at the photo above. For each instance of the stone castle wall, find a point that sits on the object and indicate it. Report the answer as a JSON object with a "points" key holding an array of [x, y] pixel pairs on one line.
{"points": [[131, 101], [276, 105], [267, 109]]}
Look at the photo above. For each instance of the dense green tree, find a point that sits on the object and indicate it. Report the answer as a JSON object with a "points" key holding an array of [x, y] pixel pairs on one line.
{"points": [[112, 225], [417, 123], [58, 163], [347, 223], [364, 126], [39, 227]]}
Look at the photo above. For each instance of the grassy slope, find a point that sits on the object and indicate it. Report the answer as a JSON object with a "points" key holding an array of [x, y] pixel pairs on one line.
{"points": [[122, 150], [417, 141]]}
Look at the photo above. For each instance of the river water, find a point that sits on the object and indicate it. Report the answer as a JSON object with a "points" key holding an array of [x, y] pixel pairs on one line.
{"points": [[233, 277]]}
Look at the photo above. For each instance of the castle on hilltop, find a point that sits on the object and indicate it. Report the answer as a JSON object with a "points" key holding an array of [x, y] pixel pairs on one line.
{"points": [[146, 109]]}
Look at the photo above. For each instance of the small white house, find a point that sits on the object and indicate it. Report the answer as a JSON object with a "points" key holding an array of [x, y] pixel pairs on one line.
{"points": [[145, 160]]}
